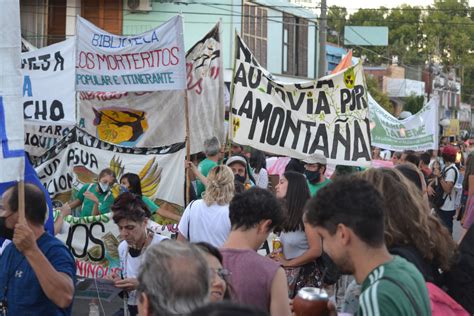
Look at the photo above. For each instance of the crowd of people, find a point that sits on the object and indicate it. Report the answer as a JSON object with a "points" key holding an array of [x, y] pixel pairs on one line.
{"points": [[379, 241]]}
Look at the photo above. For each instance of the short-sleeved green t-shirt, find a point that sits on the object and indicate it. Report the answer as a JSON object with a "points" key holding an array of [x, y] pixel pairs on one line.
{"points": [[150, 204], [380, 296], [105, 200], [204, 167], [314, 188]]}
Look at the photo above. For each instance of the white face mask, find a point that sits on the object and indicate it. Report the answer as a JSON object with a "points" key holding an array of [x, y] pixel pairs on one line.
{"points": [[104, 187]]}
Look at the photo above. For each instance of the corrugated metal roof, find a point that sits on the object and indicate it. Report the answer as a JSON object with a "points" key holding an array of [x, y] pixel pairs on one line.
{"points": [[288, 7]]}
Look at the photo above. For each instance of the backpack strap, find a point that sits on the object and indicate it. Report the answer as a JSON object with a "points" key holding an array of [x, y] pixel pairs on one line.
{"points": [[405, 291], [448, 195]]}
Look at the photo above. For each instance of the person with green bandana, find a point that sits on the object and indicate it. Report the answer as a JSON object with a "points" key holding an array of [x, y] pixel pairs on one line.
{"points": [[315, 167]]}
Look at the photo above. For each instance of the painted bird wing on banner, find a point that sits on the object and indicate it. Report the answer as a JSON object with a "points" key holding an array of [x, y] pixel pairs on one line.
{"points": [[150, 177]]}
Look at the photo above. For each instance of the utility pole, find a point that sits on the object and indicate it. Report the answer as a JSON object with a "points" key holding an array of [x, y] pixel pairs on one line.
{"points": [[322, 40]]}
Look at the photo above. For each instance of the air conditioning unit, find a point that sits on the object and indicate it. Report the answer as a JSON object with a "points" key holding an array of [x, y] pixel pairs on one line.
{"points": [[139, 5]]}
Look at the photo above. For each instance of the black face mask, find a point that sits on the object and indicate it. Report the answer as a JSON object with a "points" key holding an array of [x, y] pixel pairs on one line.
{"points": [[239, 178], [312, 176], [5, 232]]}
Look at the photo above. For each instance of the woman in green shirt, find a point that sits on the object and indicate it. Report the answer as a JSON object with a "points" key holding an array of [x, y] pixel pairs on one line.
{"points": [[94, 198], [130, 182]]}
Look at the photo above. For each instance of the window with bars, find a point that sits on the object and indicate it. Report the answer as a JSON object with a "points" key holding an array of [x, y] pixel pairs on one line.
{"points": [[254, 31], [295, 46]]}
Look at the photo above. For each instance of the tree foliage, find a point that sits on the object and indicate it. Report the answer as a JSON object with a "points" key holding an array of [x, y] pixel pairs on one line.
{"points": [[413, 104], [382, 98], [442, 32]]}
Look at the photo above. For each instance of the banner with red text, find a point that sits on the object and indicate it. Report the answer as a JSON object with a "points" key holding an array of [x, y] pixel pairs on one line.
{"points": [[151, 61], [148, 119]]}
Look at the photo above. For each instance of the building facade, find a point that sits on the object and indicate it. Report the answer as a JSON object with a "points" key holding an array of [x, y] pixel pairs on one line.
{"points": [[283, 36]]}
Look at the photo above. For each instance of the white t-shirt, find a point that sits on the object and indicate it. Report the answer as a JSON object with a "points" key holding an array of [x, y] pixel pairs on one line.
{"points": [[450, 202], [206, 223], [131, 265]]}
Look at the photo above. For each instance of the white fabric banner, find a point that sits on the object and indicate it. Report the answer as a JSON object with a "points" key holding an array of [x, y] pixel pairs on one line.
{"points": [[94, 242], [48, 84], [150, 61], [148, 119], [418, 132], [328, 116], [40, 138], [79, 157], [11, 112]]}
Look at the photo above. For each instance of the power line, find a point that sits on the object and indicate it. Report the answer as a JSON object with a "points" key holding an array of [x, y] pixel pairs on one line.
{"points": [[294, 6], [271, 18]]}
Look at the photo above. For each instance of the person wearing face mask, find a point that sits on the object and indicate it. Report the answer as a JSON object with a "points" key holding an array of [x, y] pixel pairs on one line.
{"points": [[37, 271], [130, 182], [131, 216], [93, 198], [239, 167], [315, 167]]}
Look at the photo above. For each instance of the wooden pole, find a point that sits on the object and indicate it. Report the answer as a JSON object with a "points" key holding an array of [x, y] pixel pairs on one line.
{"points": [[21, 202], [188, 147], [230, 135]]}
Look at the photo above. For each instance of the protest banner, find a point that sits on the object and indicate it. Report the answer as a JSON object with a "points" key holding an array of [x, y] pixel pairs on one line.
{"points": [[328, 116], [94, 241], [11, 113], [418, 132], [149, 119], [40, 138], [79, 157], [48, 84], [150, 61]]}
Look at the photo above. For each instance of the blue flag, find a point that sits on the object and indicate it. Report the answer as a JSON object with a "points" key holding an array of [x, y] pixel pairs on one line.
{"points": [[32, 177]]}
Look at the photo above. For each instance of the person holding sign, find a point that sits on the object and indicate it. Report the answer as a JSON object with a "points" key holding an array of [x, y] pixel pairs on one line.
{"points": [[131, 216], [315, 167], [94, 198], [37, 271]]}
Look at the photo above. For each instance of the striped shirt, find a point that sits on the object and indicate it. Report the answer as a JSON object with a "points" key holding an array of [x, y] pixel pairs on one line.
{"points": [[380, 296]]}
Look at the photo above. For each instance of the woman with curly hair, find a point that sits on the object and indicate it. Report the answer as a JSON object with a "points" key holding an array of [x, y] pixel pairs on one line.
{"points": [[208, 219], [411, 231]]}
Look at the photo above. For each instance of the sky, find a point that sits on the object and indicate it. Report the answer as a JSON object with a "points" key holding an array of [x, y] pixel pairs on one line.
{"points": [[351, 4]]}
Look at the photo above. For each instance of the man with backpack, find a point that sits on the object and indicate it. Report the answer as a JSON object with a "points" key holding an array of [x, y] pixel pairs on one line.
{"points": [[445, 195]]}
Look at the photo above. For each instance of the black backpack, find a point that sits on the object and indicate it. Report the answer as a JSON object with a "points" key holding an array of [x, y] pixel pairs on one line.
{"points": [[459, 280], [440, 196]]}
